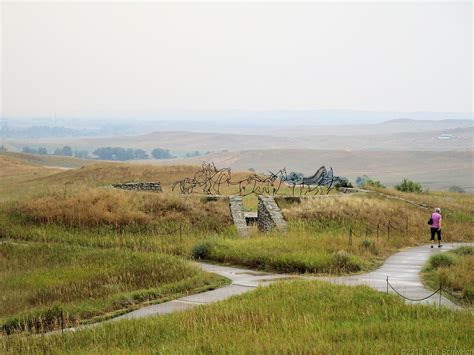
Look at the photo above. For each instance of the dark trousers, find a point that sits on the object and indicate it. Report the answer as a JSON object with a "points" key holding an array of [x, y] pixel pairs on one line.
{"points": [[435, 231]]}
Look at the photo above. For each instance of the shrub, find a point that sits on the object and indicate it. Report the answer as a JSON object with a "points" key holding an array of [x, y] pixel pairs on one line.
{"points": [[374, 183], [202, 250], [468, 293], [456, 188], [364, 181], [442, 260], [367, 244], [343, 182], [409, 186], [343, 261]]}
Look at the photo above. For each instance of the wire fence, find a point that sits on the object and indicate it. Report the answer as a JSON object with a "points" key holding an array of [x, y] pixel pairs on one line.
{"points": [[379, 229]]}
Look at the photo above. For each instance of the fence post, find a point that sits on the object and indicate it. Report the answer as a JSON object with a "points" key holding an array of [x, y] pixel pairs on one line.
{"points": [[180, 232], [388, 230], [406, 226], [377, 230], [350, 235], [387, 284], [440, 289], [62, 321]]}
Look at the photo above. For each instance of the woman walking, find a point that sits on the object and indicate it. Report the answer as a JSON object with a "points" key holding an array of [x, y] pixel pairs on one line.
{"points": [[436, 226]]}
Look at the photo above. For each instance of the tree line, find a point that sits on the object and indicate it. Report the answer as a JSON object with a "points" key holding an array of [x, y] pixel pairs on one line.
{"points": [[107, 153]]}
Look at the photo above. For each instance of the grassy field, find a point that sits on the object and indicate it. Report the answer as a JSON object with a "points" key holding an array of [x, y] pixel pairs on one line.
{"points": [[76, 251], [76, 210], [452, 270], [46, 286], [287, 317]]}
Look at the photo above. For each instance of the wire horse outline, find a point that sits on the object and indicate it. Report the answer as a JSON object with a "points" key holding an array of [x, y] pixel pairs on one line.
{"points": [[210, 179]]}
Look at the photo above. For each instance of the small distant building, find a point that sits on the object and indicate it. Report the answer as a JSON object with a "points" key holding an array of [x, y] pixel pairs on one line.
{"points": [[445, 136]]}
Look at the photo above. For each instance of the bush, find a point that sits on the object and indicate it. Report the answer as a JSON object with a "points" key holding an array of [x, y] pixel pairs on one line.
{"points": [[202, 250], [468, 293], [442, 260], [409, 186], [343, 261], [374, 183], [343, 182], [456, 188], [368, 244], [364, 181]]}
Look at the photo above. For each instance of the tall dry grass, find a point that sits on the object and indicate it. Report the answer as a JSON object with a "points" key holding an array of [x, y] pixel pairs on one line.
{"points": [[368, 211], [89, 207]]}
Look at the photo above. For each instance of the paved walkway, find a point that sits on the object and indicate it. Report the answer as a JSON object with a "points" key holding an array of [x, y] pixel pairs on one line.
{"points": [[403, 272], [402, 269]]}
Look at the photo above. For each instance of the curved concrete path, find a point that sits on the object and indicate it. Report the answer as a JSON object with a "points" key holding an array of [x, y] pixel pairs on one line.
{"points": [[403, 272], [402, 268]]}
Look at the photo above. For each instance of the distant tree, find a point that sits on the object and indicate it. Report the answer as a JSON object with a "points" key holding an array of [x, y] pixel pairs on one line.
{"points": [[192, 154], [84, 154], [409, 186], [456, 188], [141, 154], [105, 153], [365, 181], [343, 182], [360, 180], [2, 149], [294, 177], [66, 151], [29, 150], [42, 150], [118, 153], [159, 153]]}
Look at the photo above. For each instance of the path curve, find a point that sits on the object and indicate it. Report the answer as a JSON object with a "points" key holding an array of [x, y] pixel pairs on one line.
{"points": [[402, 268]]}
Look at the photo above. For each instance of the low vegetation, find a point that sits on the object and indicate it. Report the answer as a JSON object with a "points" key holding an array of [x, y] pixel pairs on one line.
{"points": [[286, 317], [47, 286], [453, 270], [408, 186], [123, 209]]}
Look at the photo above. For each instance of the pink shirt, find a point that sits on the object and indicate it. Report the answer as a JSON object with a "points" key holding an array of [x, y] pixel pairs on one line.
{"points": [[436, 220]]}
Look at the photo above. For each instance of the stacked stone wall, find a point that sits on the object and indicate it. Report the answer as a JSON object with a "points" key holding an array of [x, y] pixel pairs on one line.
{"points": [[140, 186], [269, 215], [238, 216]]}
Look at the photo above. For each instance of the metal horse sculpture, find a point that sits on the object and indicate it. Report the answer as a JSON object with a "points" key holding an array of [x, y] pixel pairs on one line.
{"points": [[209, 179], [322, 179], [255, 184]]}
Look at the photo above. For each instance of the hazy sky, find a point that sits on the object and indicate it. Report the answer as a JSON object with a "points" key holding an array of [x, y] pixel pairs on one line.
{"points": [[129, 59]]}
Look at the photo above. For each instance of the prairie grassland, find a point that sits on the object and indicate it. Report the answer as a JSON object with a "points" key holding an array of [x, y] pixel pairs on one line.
{"points": [[454, 270], [94, 175], [454, 205], [89, 207], [317, 240], [44, 284], [367, 211], [286, 317], [47, 160]]}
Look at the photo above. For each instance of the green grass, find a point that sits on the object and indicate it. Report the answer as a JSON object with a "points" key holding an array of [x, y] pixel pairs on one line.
{"points": [[42, 283], [454, 271], [287, 317]]}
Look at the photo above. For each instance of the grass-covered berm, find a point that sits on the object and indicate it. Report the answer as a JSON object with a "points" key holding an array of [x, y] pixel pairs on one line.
{"points": [[49, 286], [452, 270], [289, 317], [340, 234], [333, 234]]}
